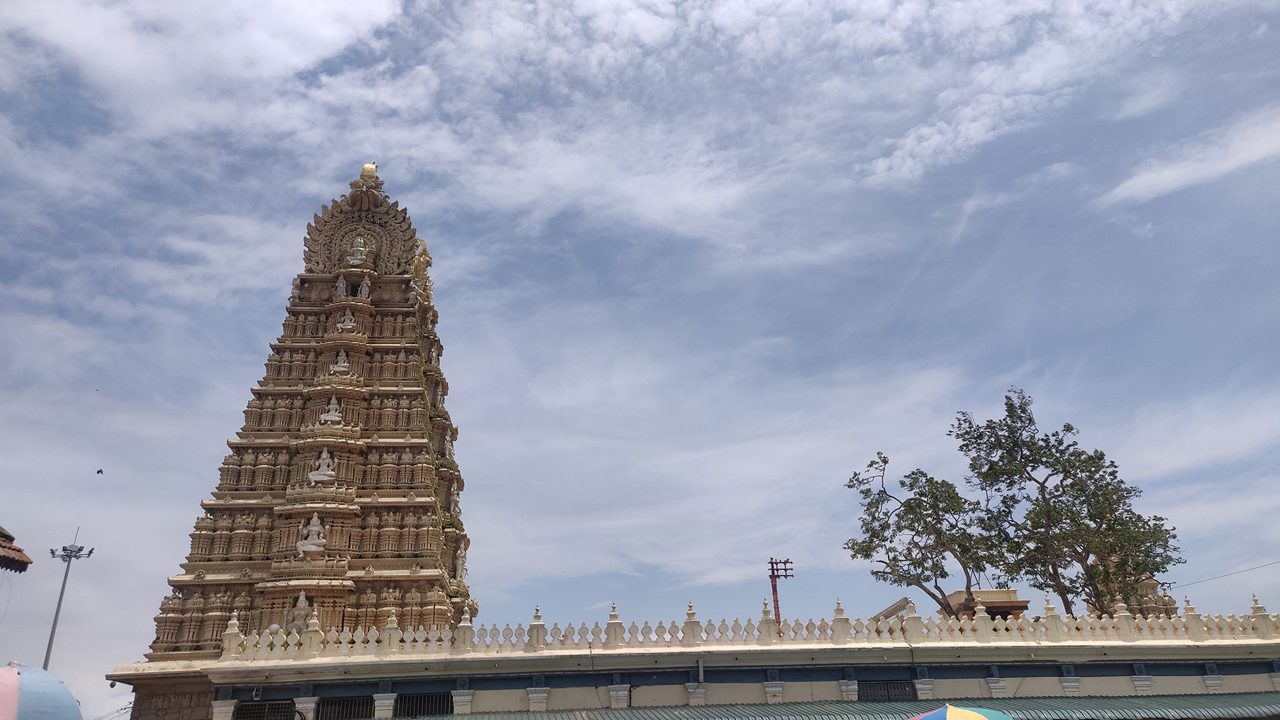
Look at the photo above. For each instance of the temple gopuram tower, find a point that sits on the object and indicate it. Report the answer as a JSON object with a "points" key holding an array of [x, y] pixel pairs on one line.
{"points": [[340, 494]]}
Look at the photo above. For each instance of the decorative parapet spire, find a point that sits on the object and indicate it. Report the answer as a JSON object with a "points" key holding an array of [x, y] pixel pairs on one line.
{"points": [[366, 190]]}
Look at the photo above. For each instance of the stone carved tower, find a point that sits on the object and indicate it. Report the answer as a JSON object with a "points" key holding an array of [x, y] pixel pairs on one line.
{"points": [[340, 495]]}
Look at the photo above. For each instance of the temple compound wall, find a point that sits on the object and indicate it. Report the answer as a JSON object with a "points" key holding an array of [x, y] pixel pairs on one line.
{"points": [[340, 674]]}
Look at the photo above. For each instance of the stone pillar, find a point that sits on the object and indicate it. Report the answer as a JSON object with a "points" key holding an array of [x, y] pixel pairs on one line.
{"points": [[912, 625], [849, 690], [1261, 620], [691, 631], [619, 696], [537, 633], [614, 632], [767, 627], [1124, 623], [461, 702], [1054, 629], [223, 709], [773, 692], [924, 688], [384, 706], [306, 706], [697, 693], [982, 628], [1193, 621], [841, 628], [537, 698]]}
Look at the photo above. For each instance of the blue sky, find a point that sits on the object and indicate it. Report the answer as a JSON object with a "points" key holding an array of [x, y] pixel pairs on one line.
{"points": [[695, 263]]}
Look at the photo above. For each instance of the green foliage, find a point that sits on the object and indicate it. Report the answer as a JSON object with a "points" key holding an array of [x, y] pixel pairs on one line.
{"points": [[1051, 514], [1064, 516], [913, 535]]}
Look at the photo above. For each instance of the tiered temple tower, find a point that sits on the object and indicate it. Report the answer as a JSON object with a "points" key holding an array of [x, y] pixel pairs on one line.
{"points": [[340, 494]]}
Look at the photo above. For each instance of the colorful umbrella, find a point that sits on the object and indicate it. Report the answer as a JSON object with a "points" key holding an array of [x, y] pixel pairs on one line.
{"points": [[28, 693], [953, 712]]}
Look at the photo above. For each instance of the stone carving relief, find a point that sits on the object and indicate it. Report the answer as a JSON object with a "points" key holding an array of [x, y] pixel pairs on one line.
{"points": [[332, 412], [323, 470], [340, 363], [367, 215], [357, 256], [296, 621], [313, 540]]}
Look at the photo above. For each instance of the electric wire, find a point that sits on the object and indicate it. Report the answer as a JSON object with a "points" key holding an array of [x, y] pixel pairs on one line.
{"points": [[1219, 577]]}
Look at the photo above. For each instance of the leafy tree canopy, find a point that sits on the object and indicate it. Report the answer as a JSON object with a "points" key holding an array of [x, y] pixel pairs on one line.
{"points": [[1048, 513]]}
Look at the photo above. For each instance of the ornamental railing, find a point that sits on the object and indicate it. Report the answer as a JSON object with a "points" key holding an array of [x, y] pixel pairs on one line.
{"points": [[907, 629]]}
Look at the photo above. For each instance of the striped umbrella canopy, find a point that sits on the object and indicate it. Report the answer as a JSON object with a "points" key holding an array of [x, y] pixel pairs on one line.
{"points": [[28, 693], [955, 712]]}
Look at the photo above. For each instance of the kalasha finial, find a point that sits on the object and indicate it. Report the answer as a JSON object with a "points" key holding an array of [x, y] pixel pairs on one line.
{"points": [[366, 190]]}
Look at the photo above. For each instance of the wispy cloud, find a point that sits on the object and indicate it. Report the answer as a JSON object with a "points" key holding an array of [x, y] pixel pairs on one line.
{"points": [[1249, 140], [1149, 92]]}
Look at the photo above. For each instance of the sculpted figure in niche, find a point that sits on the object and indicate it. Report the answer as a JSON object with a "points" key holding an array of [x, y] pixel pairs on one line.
{"points": [[312, 541], [460, 564], [296, 293], [339, 288], [340, 364], [298, 614], [358, 254], [365, 288], [347, 321], [324, 468], [332, 412]]}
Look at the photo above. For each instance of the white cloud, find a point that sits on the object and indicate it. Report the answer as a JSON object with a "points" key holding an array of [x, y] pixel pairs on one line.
{"points": [[1247, 141], [1209, 430], [1149, 92]]}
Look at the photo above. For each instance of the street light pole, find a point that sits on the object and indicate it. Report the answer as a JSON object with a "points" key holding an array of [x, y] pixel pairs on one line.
{"points": [[69, 553]]}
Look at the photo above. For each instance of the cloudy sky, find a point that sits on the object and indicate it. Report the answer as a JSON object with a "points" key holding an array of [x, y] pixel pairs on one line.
{"points": [[695, 262]]}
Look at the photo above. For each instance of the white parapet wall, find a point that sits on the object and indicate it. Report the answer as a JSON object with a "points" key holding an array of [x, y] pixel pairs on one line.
{"points": [[908, 629], [1124, 643]]}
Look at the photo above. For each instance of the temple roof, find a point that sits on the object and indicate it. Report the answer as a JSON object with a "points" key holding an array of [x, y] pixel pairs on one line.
{"points": [[12, 557]]}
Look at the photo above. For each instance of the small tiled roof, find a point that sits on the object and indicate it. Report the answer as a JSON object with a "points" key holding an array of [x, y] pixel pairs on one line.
{"points": [[11, 556], [1174, 707]]}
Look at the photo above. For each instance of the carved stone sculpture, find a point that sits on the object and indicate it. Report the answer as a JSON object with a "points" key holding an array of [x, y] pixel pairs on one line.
{"points": [[339, 288], [324, 468], [297, 620], [340, 363], [313, 541], [332, 412], [366, 288], [347, 321], [358, 255]]}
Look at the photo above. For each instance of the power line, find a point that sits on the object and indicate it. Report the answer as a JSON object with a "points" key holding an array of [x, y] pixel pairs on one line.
{"points": [[1219, 577]]}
